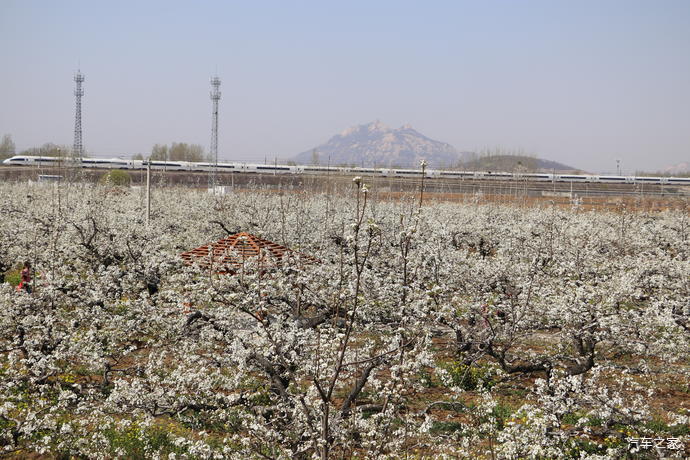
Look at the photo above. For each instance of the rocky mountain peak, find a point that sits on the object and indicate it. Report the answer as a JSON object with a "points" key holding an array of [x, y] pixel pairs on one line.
{"points": [[377, 126], [376, 144]]}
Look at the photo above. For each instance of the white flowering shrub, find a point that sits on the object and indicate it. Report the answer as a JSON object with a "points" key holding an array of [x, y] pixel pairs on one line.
{"points": [[422, 329]]}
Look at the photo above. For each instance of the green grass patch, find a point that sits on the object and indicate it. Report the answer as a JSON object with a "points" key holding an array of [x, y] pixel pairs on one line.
{"points": [[14, 277], [471, 377], [658, 426], [135, 441], [445, 428]]}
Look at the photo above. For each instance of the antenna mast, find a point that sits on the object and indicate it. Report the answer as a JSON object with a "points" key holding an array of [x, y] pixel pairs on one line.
{"points": [[215, 97], [78, 147]]}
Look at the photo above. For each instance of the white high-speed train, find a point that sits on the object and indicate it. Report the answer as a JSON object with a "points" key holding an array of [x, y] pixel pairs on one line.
{"points": [[119, 163]]}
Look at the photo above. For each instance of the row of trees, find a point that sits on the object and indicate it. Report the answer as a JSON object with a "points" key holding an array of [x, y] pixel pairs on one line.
{"points": [[49, 149], [177, 151], [7, 147]]}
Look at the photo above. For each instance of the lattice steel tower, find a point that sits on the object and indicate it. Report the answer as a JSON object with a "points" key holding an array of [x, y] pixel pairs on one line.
{"points": [[78, 147], [215, 97]]}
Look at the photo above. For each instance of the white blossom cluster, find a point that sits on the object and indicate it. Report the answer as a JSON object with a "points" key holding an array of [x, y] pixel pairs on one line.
{"points": [[122, 350]]}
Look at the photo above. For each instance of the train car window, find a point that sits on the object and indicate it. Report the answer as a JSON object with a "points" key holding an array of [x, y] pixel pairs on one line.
{"points": [[273, 168]]}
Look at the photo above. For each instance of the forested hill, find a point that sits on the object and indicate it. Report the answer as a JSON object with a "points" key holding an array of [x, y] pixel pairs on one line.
{"points": [[515, 163]]}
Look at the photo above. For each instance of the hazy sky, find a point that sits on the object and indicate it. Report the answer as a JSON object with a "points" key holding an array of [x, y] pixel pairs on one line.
{"points": [[581, 82]]}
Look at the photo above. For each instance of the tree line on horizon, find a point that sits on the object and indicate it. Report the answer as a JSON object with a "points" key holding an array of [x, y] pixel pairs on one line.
{"points": [[177, 151]]}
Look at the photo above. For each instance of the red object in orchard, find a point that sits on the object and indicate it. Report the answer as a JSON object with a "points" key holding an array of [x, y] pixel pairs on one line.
{"points": [[226, 256]]}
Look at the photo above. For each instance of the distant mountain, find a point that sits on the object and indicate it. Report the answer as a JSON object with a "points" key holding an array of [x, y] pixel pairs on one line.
{"points": [[680, 168], [516, 163], [375, 144]]}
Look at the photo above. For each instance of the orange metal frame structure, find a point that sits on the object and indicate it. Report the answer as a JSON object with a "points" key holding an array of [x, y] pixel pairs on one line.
{"points": [[228, 255]]}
